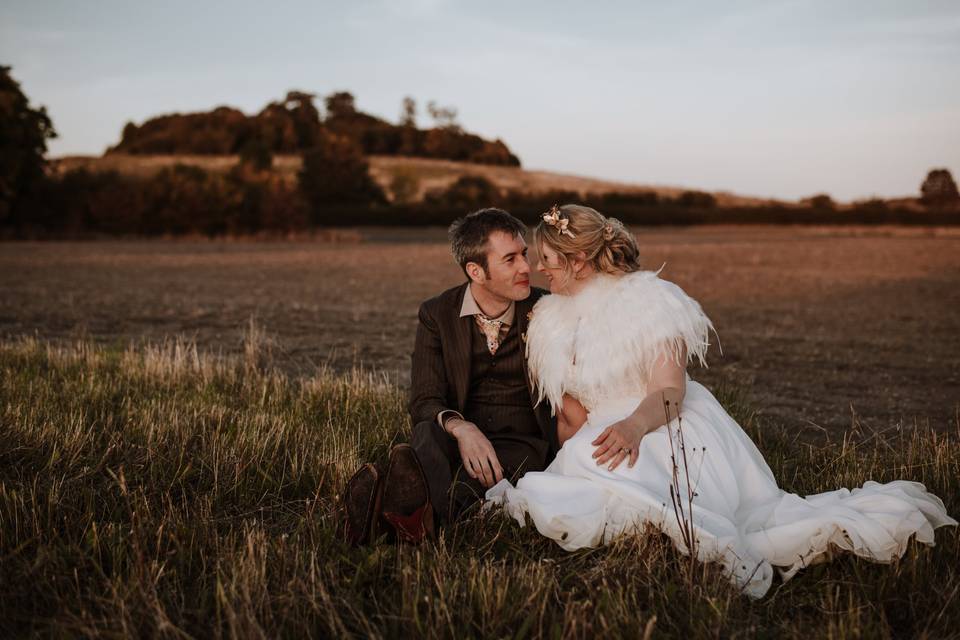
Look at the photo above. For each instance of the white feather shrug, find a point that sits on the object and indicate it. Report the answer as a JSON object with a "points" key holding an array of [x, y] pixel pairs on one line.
{"points": [[601, 343]]}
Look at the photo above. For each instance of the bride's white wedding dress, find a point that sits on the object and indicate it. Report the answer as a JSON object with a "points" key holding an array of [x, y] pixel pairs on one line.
{"points": [[598, 346]]}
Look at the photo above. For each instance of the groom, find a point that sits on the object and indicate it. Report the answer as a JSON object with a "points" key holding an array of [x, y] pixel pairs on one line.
{"points": [[470, 396]]}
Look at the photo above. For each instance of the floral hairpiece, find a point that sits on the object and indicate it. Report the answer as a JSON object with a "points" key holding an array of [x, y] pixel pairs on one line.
{"points": [[553, 219]]}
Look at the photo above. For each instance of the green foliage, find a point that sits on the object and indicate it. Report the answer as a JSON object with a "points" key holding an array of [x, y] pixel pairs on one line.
{"points": [[466, 193], [443, 117], [632, 199], [871, 206], [24, 132], [408, 112], [247, 200], [218, 132], [176, 201], [404, 186], [821, 201], [696, 200], [452, 143], [295, 125], [184, 198], [340, 105], [256, 155], [162, 491], [305, 117], [939, 189], [83, 201], [287, 126], [336, 171]]}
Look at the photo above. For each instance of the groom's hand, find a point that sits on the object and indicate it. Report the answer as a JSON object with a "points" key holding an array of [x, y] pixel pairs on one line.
{"points": [[479, 458]]}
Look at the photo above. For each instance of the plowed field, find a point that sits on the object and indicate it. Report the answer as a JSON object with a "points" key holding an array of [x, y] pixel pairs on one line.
{"points": [[818, 324]]}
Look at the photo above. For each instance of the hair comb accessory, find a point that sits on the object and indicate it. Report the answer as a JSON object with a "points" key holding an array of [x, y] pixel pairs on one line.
{"points": [[608, 232], [553, 219]]}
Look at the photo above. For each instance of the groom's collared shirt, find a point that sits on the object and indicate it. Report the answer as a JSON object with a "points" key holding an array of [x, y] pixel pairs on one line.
{"points": [[471, 308]]}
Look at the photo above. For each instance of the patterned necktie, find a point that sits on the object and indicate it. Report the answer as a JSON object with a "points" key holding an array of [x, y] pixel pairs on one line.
{"points": [[491, 329]]}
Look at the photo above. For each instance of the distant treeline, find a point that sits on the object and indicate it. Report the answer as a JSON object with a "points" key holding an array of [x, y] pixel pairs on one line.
{"points": [[295, 125], [185, 200], [334, 187]]}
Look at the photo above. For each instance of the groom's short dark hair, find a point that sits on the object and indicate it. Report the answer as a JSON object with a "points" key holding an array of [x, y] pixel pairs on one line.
{"points": [[469, 234]]}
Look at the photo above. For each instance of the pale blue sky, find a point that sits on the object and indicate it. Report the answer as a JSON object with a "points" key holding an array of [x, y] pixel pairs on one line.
{"points": [[772, 98]]}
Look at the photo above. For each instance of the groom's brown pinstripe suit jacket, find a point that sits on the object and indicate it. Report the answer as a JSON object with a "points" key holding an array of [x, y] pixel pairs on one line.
{"points": [[441, 366]]}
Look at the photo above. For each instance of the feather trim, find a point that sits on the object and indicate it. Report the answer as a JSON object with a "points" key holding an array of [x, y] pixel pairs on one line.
{"points": [[605, 340]]}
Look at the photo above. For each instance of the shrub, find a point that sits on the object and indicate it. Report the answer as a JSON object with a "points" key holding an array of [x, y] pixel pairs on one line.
{"points": [[256, 154], [621, 199], [186, 199], [696, 200], [939, 188], [821, 201], [870, 206], [335, 171], [467, 192], [404, 186]]}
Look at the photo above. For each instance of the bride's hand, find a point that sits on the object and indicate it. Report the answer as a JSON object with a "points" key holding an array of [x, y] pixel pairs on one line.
{"points": [[618, 442], [667, 386]]}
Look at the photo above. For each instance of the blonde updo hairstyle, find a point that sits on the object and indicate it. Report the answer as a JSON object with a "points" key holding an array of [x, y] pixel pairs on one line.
{"points": [[604, 243]]}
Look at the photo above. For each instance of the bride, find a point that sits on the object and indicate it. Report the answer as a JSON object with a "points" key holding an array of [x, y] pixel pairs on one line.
{"points": [[609, 351]]}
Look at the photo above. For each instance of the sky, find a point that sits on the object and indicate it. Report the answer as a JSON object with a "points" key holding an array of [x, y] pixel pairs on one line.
{"points": [[772, 98]]}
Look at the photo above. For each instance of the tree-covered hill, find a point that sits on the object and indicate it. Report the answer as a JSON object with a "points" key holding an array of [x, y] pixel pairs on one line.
{"points": [[295, 124]]}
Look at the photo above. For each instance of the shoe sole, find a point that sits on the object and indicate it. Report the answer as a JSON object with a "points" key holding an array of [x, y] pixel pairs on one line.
{"points": [[406, 503], [361, 490]]}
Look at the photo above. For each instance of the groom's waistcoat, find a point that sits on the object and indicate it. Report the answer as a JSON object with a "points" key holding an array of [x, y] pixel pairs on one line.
{"points": [[498, 400], [452, 369]]}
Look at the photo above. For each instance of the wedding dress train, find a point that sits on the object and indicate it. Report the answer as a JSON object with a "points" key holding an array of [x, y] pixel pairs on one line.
{"points": [[598, 346]]}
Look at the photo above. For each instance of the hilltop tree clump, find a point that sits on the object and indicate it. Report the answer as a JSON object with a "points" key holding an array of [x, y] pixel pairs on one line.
{"points": [[820, 201], [214, 133], [939, 189], [289, 125], [24, 132], [294, 125], [444, 117]]}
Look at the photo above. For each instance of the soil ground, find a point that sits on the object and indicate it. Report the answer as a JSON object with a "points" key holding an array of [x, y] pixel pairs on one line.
{"points": [[820, 325]]}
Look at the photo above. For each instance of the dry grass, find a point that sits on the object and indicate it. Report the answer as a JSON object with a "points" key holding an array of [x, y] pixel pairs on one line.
{"points": [[168, 492]]}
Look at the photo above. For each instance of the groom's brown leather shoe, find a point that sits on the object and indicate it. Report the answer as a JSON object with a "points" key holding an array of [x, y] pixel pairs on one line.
{"points": [[406, 498], [361, 504]]}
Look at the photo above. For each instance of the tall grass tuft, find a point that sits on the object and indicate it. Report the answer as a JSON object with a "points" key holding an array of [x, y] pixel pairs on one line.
{"points": [[160, 491]]}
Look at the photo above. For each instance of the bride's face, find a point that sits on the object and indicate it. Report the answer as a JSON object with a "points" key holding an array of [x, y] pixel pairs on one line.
{"points": [[551, 267]]}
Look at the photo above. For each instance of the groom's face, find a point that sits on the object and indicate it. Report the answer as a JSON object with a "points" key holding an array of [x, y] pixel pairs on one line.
{"points": [[508, 273]]}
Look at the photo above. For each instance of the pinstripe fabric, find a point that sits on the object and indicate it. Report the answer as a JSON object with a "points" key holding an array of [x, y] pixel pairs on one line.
{"points": [[451, 369], [442, 367], [498, 400]]}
